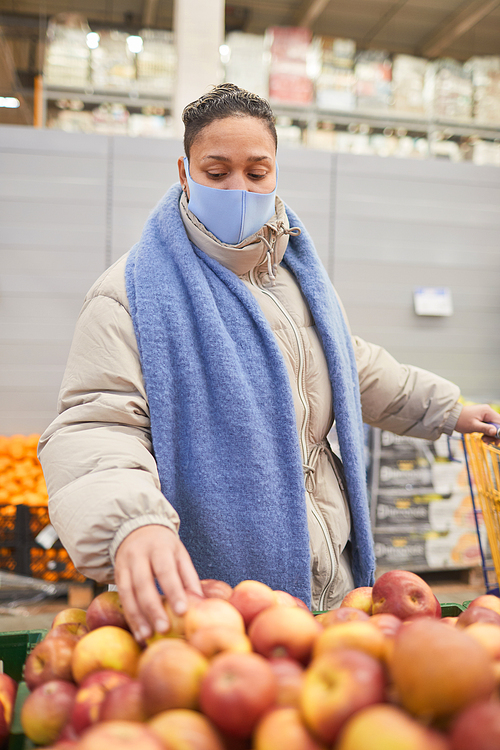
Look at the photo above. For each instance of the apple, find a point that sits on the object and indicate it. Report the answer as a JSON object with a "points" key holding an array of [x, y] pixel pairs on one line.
{"points": [[212, 588], [46, 710], [120, 735], [355, 634], [90, 696], [488, 636], [51, 659], [452, 621], [72, 629], [359, 598], [403, 594], [438, 606], [477, 614], [106, 609], [477, 727], [388, 624], [108, 647], [285, 599], [124, 702], [284, 631], [283, 729], [301, 603], [171, 672], [438, 670], [336, 685], [8, 692], [205, 612], [216, 638], [236, 691], [384, 726], [343, 614], [251, 597], [290, 679], [486, 600], [70, 614], [184, 729]]}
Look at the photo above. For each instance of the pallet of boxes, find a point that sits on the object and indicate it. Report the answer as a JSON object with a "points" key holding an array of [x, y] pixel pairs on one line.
{"points": [[29, 545], [422, 512]]}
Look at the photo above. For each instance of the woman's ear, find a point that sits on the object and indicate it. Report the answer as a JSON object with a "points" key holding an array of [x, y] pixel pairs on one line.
{"points": [[182, 175]]}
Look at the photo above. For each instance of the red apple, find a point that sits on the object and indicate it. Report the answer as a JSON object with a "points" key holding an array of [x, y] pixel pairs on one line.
{"points": [[343, 614], [284, 631], [359, 598], [124, 702], [206, 612], [301, 603], [336, 686], [438, 606], [251, 597], [236, 691], [51, 659], [388, 624], [283, 729], [120, 735], [437, 670], [477, 727], [183, 729], [285, 599], [355, 634], [70, 614], [171, 672], [214, 589], [46, 711], [107, 647], [106, 609], [91, 694], [8, 691], [386, 727], [72, 629], [290, 679], [403, 594], [489, 601], [477, 614], [214, 639]]}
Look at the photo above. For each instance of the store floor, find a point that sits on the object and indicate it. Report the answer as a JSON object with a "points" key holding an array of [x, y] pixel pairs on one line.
{"points": [[40, 616]]}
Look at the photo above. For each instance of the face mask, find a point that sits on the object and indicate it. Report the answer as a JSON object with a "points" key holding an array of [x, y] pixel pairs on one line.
{"points": [[231, 215]]}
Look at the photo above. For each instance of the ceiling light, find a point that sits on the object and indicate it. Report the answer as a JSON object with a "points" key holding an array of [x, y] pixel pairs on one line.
{"points": [[10, 102], [93, 40], [135, 43]]}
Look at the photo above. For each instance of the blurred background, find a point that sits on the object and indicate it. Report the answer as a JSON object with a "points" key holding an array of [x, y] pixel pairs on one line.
{"points": [[388, 118]]}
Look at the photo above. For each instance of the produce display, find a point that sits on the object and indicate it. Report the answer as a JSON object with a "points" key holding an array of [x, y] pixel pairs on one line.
{"points": [[252, 668], [21, 476]]}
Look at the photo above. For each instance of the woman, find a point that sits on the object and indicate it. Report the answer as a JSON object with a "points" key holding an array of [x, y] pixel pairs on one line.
{"points": [[207, 369]]}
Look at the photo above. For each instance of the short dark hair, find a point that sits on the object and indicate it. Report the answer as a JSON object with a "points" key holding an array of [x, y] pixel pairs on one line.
{"points": [[225, 100]]}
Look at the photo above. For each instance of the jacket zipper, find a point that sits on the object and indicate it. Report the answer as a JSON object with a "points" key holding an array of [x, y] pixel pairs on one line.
{"points": [[303, 439]]}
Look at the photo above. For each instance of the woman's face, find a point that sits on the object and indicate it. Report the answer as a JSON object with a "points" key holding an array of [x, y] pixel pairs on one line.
{"points": [[236, 153]]}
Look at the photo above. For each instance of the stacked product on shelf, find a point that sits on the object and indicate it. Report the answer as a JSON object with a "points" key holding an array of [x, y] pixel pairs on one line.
{"points": [[408, 75], [156, 62], [373, 71], [422, 511], [29, 546], [336, 84], [247, 62], [112, 63], [67, 57], [486, 86], [289, 77], [448, 90]]}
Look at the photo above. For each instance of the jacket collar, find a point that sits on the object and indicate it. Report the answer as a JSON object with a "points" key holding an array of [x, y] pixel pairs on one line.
{"points": [[268, 245]]}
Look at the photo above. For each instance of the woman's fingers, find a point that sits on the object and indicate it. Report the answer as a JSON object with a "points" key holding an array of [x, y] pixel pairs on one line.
{"points": [[137, 621]]}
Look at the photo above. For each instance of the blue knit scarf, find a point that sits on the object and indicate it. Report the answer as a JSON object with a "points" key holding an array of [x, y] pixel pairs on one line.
{"points": [[222, 416]]}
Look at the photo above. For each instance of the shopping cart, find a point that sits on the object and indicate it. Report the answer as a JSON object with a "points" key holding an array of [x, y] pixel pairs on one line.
{"points": [[483, 469]]}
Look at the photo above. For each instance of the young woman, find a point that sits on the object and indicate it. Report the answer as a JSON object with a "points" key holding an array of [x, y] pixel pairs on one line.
{"points": [[207, 369]]}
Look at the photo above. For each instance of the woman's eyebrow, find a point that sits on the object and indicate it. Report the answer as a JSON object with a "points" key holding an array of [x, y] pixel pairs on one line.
{"points": [[250, 159]]}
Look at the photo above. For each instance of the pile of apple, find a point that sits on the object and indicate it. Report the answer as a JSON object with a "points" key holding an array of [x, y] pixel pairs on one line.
{"points": [[249, 667]]}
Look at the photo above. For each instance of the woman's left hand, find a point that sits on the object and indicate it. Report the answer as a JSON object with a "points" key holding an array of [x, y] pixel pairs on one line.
{"points": [[479, 418]]}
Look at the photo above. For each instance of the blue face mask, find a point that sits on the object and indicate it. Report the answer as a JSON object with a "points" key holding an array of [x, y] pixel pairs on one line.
{"points": [[231, 215]]}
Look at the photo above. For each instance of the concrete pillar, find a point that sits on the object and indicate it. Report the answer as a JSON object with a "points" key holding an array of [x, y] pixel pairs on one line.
{"points": [[199, 32]]}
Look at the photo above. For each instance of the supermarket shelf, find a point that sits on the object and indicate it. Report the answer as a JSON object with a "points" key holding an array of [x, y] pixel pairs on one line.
{"points": [[385, 119]]}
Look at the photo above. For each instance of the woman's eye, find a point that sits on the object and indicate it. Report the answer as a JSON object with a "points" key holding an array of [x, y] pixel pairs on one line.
{"points": [[257, 176], [216, 175]]}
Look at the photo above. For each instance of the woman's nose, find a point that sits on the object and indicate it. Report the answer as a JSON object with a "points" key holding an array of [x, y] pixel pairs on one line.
{"points": [[236, 181]]}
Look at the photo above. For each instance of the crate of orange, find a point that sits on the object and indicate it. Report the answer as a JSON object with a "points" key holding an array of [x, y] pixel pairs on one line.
{"points": [[28, 545]]}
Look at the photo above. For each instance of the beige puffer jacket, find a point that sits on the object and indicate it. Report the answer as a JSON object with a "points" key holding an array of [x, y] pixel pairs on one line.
{"points": [[97, 454]]}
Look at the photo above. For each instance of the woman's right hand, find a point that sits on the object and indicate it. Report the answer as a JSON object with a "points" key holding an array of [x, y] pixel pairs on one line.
{"points": [[148, 553]]}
